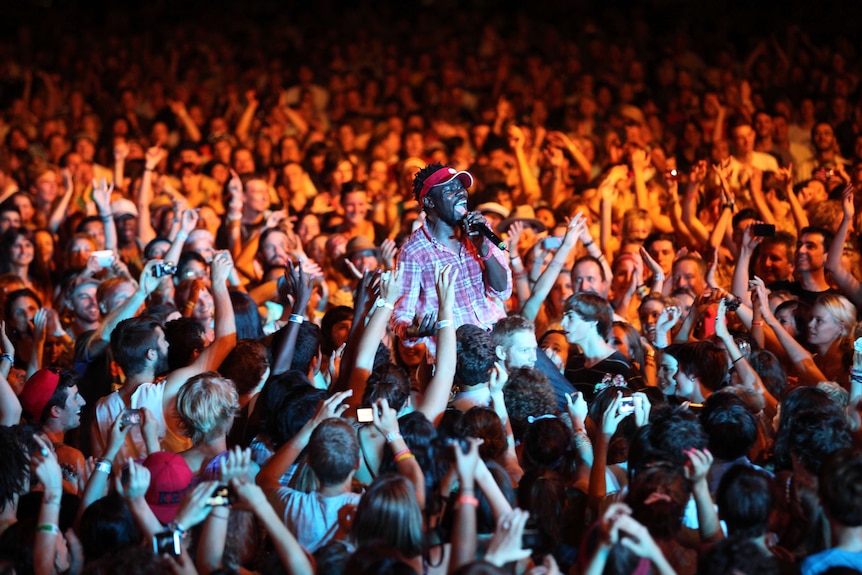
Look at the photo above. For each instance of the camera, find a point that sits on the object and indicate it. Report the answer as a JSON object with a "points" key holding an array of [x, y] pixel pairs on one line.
{"points": [[763, 230], [104, 258], [170, 542], [223, 495], [443, 447], [164, 269], [364, 414], [552, 242], [131, 417]]}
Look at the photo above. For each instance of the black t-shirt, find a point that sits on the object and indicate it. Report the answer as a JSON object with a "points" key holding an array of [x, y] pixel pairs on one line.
{"points": [[796, 289], [585, 379]]}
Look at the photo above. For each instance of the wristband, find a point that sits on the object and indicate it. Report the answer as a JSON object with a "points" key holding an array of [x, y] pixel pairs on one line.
{"points": [[588, 244], [104, 466], [48, 528], [444, 323], [658, 277], [737, 359], [467, 500], [516, 258], [756, 323], [393, 435], [106, 217], [401, 457], [381, 302], [296, 318], [8, 357]]}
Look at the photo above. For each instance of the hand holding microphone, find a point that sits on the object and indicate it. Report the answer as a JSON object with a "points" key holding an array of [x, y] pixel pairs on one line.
{"points": [[475, 223]]}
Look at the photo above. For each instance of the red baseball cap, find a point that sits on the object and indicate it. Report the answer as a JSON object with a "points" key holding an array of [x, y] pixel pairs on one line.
{"points": [[38, 391], [170, 479], [443, 176]]}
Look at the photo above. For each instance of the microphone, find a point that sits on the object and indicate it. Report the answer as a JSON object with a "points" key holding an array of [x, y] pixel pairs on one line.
{"points": [[495, 239]]}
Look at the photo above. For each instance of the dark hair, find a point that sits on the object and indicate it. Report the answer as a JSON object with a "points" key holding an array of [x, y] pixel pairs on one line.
{"points": [[731, 427], [484, 423], [248, 324], [528, 393], [420, 177], [662, 516], [389, 382], [670, 432], [185, 259], [107, 527], [592, 307], [705, 361], [16, 295], [744, 214], [738, 555], [245, 365], [151, 246], [14, 465], [841, 487], [659, 236], [333, 451], [823, 232], [332, 317], [296, 408], [770, 370], [130, 342], [306, 348], [589, 258], [814, 434], [474, 355], [745, 499], [793, 403], [186, 337]]}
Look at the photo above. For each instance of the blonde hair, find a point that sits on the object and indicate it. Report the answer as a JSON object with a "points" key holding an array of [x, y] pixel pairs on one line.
{"points": [[206, 406], [844, 312]]}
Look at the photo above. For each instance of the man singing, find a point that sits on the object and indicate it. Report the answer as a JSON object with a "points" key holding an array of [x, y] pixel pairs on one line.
{"points": [[450, 235]]}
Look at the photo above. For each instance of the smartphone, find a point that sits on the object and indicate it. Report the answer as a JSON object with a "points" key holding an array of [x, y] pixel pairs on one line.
{"points": [[223, 495], [763, 230], [627, 405], [104, 258], [131, 417], [552, 242], [170, 542], [364, 414], [164, 269]]}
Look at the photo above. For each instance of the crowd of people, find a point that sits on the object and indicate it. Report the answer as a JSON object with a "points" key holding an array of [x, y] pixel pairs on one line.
{"points": [[416, 293]]}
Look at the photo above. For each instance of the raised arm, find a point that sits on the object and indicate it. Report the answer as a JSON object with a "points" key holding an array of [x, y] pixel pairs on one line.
{"points": [[270, 474], [225, 333], [386, 422], [464, 524], [102, 337], [154, 157], [689, 205], [437, 392], [121, 152], [193, 133], [10, 406], [575, 229], [58, 216], [640, 163], [530, 190], [845, 280], [102, 198], [300, 285], [244, 124], [739, 285]]}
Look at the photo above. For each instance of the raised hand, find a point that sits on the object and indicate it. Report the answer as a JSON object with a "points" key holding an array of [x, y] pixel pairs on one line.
{"points": [[427, 326], [388, 253], [516, 137], [513, 237], [576, 406], [698, 464], [507, 544], [102, 195], [612, 417], [390, 284], [121, 151], [154, 156], [499, 377], [444, 281], [333, 406], [222, 265]]}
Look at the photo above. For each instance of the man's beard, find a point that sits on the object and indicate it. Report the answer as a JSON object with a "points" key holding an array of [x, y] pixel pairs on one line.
{"points": [[162, 366]]}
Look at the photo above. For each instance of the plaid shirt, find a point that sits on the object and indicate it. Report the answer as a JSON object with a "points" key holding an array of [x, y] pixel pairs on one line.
{"points": [[475, 301]]}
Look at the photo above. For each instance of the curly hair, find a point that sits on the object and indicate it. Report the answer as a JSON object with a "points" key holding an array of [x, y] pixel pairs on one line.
{"points": [[526, 394], [419, 179], [475, 355]]}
